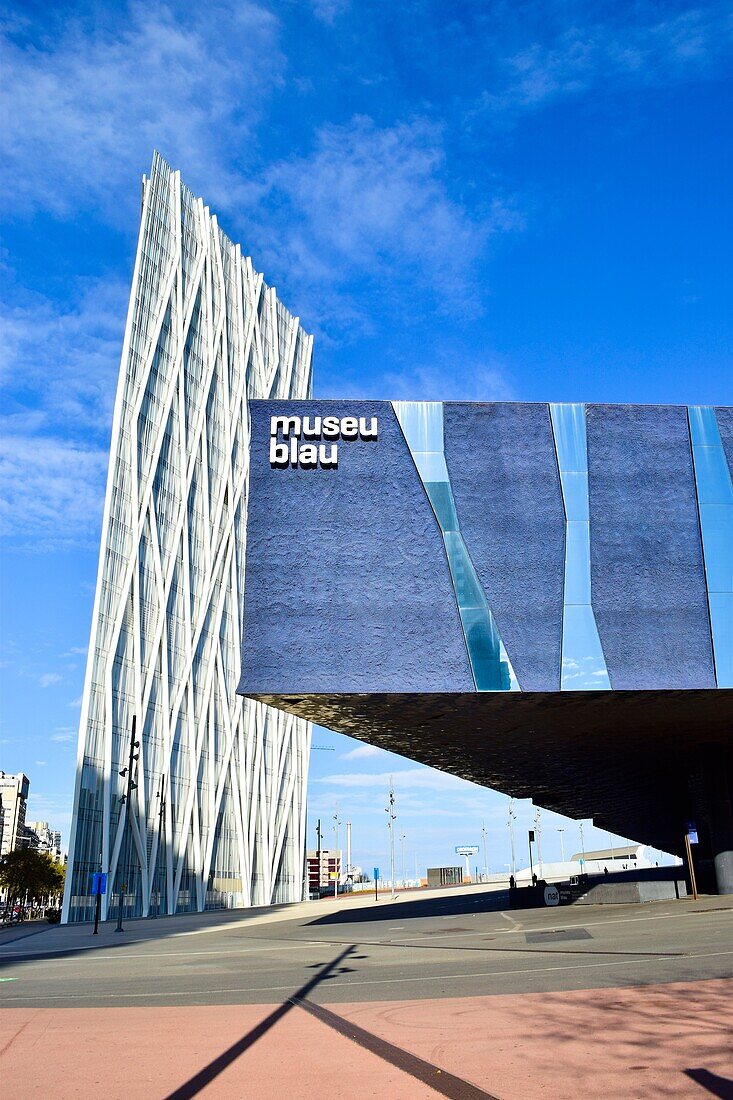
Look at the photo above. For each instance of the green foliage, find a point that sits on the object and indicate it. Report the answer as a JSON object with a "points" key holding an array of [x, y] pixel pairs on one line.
{"points": [[33, 874]]}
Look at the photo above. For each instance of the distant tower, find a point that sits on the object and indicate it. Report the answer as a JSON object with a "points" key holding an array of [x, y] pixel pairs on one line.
{"points": [[218, 816]]}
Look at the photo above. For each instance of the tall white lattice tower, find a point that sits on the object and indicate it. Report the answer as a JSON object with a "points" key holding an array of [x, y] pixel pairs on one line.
{"points": [[218, 815]]}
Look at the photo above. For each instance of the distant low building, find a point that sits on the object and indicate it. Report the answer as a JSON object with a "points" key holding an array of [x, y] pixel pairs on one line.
{"points": [[13, 800], [445, 876], [323, 865], [42, 838]]}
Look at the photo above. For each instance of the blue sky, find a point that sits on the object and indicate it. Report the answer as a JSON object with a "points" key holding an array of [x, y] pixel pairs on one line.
{"points": [[524, 201]]}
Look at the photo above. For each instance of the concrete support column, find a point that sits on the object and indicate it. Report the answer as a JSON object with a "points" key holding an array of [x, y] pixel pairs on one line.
{"points": [[720, 820]]}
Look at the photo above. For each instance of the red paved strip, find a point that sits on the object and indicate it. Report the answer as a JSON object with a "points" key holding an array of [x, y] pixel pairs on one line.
{"points": [[671, 1040], [445, 1084]]}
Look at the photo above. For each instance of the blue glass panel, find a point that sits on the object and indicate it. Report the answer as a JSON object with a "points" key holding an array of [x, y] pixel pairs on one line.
{"points": [[716, 521], [583, 663], [568, 425], [703, 426], [422, 426], [712, 476], [468, 590], [443, 504], [577, 563], [715, 503], [575, 495], [431, 465], [721, 620]]}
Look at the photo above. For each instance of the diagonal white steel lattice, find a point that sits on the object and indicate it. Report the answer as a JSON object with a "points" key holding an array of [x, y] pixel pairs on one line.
{"points": [[218, 815]]}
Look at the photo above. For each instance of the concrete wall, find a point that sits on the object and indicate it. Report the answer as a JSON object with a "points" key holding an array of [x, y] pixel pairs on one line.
{"points": [[503, 469], [647, 575], [348, 586]]}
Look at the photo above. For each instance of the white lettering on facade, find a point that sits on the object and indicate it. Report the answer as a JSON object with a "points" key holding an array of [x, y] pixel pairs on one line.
{"points": [[287, 431]]}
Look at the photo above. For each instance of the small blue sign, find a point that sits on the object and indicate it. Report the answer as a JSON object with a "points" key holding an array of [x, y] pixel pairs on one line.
{"points": [[99, 883], [376, 874], [692, 832]]}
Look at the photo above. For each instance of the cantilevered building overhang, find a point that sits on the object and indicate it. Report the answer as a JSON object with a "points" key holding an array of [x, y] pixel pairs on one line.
{"points": [[535, 597]]}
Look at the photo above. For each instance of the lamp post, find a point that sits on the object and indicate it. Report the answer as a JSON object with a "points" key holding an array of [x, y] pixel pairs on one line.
{"points": [[562, 845], [403, 835], [391, 817], [130, 787], [538, 836], [336, 823], [512, 819], [582, 847], [486, 862]]}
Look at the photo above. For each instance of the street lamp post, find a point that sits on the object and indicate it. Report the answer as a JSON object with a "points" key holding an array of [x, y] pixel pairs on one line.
{"points": [[538, 836], [486, 862], [403, 835], [391, 817], [126, 801], [562, 845], [512, 819], [336, 823], [582, 847]]}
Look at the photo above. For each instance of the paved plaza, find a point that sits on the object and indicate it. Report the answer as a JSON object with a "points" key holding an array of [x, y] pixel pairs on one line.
{"points": [[444, 993]]}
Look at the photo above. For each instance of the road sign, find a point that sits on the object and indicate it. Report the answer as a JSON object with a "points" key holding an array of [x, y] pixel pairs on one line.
{"points": [[376, 874], [99, 883], [467, 850], [531, 836], [692, 832]]}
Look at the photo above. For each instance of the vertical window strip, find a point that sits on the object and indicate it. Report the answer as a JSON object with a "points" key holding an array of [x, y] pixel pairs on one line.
{"points": [[422, 426], [583, 666], [715, 507]]}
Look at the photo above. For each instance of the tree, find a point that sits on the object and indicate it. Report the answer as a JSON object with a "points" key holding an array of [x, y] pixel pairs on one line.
{"points": [[25, 873]]}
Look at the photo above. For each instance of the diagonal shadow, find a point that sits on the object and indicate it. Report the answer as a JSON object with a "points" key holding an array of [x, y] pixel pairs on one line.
{"points": [[442, 1082], [195, 1084], [721, 1087]]}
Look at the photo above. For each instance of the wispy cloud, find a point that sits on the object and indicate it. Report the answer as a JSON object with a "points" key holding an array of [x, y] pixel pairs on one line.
{"points": [[66, 356], [659, 48], [371, 204], [51, 491], [95, 95], [49, 678], [63, 737], [408, 779]]}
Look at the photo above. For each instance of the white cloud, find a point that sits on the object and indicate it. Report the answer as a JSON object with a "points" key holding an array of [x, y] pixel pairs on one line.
{"points": [[63, 736], [41, 763], [361, 752], [585, 55], [420, 778], [66, 354], [51, 491], [48, 679], [371, 203], [75, 702], [86, 106], [327, 11]]}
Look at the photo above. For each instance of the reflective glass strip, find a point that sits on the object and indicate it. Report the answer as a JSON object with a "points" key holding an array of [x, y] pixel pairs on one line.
{"points": [[715, 506], [583, 663], [422, 427]]}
